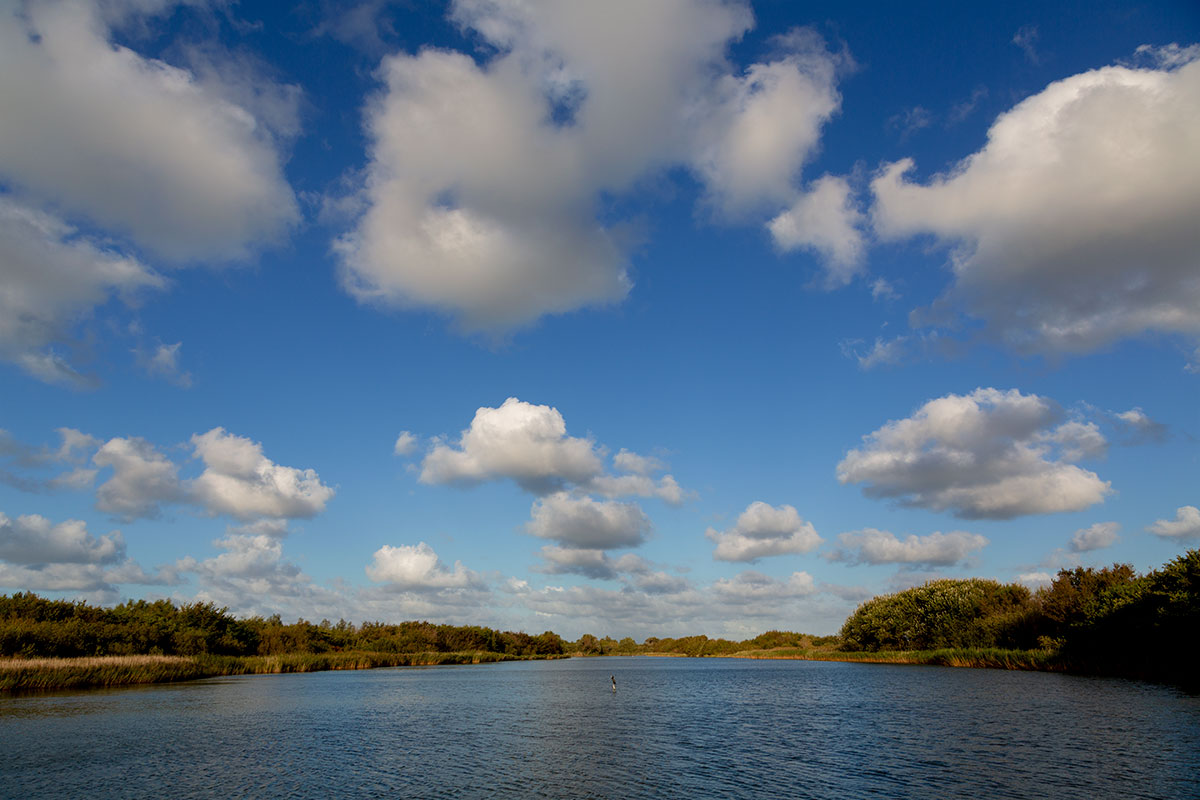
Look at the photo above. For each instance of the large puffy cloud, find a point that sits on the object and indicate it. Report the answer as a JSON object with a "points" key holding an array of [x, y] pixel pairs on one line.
{"points": [[133, 144], [990, 454], [764, 530], [33, 539], [142, 478], [1074, 226], [529, 444], [418, 568], [585, 523], [240, 481], [872, 546], [518, 440], [484, 180], [49, 279], [1186, 524]]}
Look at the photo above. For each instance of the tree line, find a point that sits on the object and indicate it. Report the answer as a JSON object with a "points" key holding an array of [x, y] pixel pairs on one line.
{"points": [[1102, 620], [1110, 619], [33, 626]]}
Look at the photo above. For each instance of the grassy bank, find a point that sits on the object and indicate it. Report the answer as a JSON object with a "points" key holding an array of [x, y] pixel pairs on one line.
{"points": [[990, 657], [45, 674]]}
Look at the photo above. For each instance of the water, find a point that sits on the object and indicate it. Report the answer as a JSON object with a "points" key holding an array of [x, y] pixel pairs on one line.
{"points": [[675, 728]]}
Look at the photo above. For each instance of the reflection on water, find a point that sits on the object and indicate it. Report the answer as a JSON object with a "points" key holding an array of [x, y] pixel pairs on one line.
{"points": [[674, 728]]}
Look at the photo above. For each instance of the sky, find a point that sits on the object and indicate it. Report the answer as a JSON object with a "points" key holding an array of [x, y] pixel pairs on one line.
{"points": [[623, 318]]}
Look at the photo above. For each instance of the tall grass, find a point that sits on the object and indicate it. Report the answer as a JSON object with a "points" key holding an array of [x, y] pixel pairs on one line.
{"points": [[41, 674], [986, 657]]}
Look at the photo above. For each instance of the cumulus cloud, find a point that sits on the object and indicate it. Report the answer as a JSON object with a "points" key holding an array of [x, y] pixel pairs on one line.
{"points": [[585, 523], [181, 169], [989, 454], [824, 219], [1186, 524], [1074, 227], [485, 207], [591, 563], [33, 539], [417, 568], [406, 444], [872, 546], [764, 530], [755, 587], [51, 279], [240, 481], [529, 445], [518, 440], [142, 478], [1094, 537]]}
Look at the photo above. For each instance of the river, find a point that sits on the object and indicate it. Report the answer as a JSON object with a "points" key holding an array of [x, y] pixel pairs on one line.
{"points": [[674, 728]]}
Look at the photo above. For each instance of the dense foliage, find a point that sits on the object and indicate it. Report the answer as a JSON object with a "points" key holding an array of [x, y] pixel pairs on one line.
{"points": [[1107, 620], [941, 614], [35, 626]]}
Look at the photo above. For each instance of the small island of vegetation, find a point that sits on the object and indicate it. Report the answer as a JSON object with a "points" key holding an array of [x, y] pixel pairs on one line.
{"points": [[1109, 621]]}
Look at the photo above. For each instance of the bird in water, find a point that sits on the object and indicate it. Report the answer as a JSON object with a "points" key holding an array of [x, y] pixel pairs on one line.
{"points": [[613, 678]]}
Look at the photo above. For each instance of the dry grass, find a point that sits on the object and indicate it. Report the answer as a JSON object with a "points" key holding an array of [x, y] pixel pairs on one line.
{"points": [[16, 664]]}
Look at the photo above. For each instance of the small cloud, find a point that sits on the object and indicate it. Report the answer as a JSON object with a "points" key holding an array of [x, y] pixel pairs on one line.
{"points": [[1095, 537], [1186, 524], [164, 363], [872, 546], [1026, 39], [909, 121], [406, 444]]}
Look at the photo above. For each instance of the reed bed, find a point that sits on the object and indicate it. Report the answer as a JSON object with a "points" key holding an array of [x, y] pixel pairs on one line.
{"points": [[988, 658], [44, 674]]}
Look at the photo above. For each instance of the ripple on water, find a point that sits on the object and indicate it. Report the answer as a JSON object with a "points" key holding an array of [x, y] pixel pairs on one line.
{"points": [[674, 728]]}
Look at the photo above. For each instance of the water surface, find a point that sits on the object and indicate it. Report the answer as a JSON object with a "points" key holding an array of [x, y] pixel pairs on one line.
{"points": [[674, 728]]}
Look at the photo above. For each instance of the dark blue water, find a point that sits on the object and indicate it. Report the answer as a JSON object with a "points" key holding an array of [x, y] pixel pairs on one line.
{"points": [[675, 728]]}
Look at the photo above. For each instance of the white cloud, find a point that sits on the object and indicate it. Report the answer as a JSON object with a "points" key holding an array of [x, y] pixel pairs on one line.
{"points": [[628, 461], [164, 363], [417, 568], [406, 444], [824, 219], [240, 481], [249, 556], [51, 279], [142, 478], [872, 546], [764, 530], [1035, 580], [665, 488], [590, 563], [485, 179], [990, 454], [518, 440], [1186, 524], [33, 539], [584, 523], [1094, 537], [1074, 227], [133, 144], [1141, 426], [755, 587], [883, 352], [760, 127]]}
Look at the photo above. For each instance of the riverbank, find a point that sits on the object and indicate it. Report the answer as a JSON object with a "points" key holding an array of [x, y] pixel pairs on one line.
{"points": [[49, 674], [982, 658]]}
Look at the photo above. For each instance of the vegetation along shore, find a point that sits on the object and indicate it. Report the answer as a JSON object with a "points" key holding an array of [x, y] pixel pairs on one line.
{"points": [[1110, 621]]}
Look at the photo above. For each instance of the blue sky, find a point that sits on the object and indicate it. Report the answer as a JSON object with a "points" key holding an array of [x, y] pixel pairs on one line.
{"points": [[630, 319]]}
